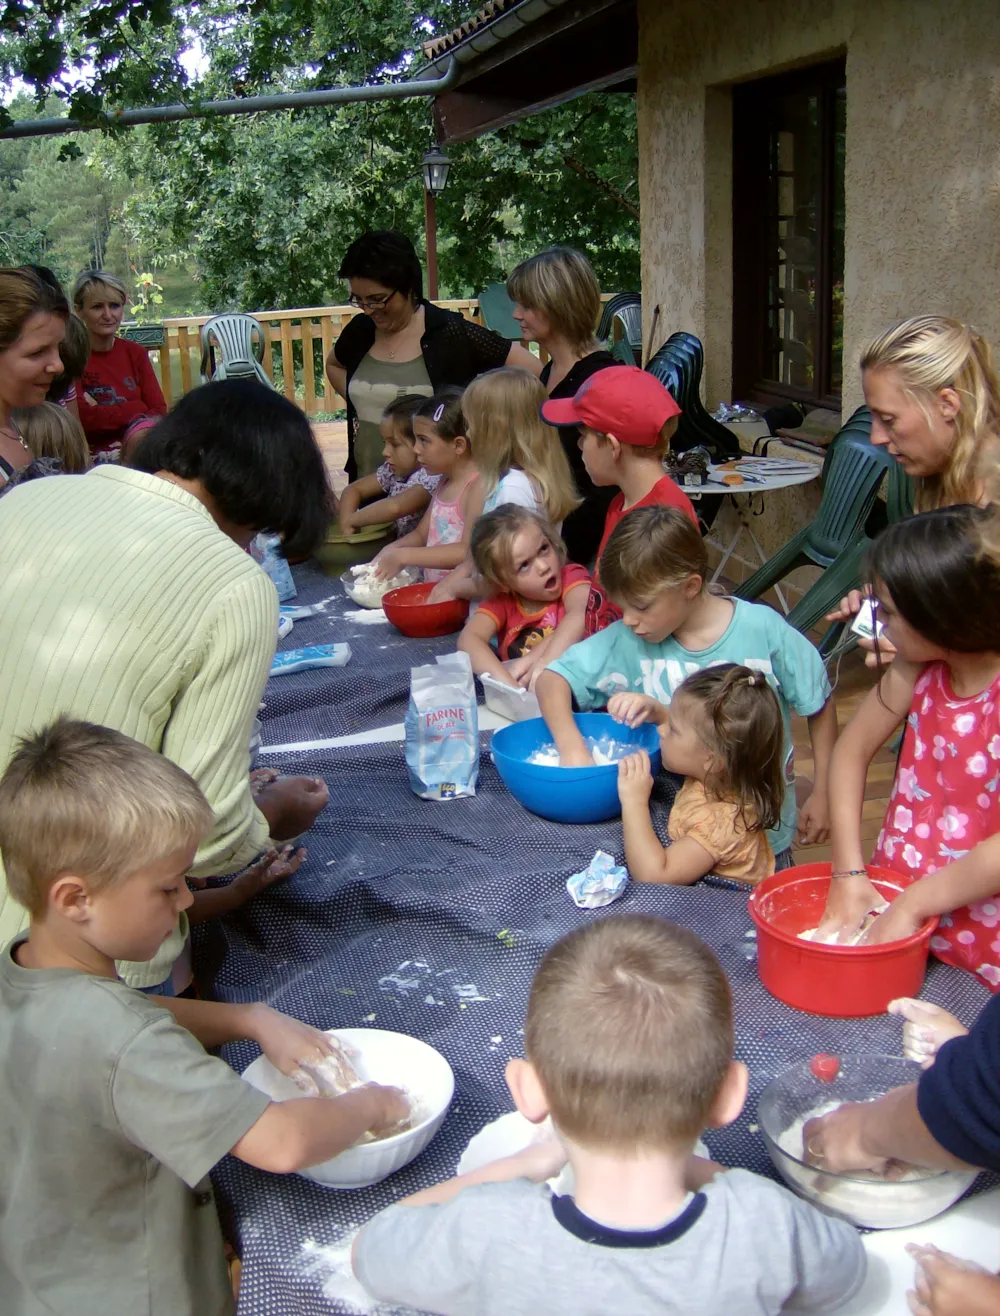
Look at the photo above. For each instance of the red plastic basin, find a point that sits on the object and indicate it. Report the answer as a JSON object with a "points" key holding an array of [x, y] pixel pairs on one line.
{"points": [[408, 610], [844, 982]]}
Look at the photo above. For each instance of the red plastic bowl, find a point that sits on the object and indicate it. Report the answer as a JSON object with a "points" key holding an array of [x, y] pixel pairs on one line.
{"points": [[844, 982], [408, 610]]}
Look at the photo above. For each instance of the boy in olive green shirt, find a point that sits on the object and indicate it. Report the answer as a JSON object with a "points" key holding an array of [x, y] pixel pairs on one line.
{"points": [[113, 1113]]}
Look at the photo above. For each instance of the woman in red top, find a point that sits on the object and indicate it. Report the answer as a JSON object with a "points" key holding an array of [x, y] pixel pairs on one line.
{"points": [[120, 395], [538, 609]]}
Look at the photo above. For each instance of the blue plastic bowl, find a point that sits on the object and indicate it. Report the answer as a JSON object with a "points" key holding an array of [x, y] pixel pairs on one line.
{"points": [[570, 795]]}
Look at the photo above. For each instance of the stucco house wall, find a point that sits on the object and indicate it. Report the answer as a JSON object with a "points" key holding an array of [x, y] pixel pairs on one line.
{"points": [[922, 164]]}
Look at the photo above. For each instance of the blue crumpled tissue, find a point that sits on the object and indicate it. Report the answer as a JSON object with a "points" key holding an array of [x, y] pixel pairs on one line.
{"points": [[600, 882]]}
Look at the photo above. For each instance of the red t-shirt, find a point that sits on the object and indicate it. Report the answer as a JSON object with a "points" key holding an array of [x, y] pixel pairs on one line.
{"points": [[601, 612], [123, 388], [518, 631]]}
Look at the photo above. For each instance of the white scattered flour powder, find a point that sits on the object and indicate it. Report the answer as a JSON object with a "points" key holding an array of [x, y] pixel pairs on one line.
{"points": [[329, 1264]]}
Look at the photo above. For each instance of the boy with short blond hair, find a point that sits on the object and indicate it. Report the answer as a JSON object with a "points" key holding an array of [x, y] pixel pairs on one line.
{"points": [[627, 419], [113, 1113], [629, 1043]]}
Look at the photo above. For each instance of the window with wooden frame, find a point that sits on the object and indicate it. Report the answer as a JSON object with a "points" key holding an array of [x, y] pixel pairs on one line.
{"points": [[788, 236]]}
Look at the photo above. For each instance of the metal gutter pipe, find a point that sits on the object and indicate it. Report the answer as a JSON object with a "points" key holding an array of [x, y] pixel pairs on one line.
{"points": [[388, 91]]}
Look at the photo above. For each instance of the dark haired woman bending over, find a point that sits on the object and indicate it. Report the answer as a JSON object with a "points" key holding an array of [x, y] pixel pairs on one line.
{"points": [[129, 600]]}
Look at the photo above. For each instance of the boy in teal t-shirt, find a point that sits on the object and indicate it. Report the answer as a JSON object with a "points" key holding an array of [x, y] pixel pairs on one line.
{"points": [[655, 565]]}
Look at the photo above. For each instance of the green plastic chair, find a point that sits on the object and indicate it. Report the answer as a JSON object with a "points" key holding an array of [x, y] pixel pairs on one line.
{"points": [[623, 353], [849, 570], [497, 311], [624, 310], [853, 471], [232, 347]]}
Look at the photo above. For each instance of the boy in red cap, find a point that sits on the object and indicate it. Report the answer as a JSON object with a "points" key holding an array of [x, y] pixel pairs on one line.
{"points": [[627, 419]]}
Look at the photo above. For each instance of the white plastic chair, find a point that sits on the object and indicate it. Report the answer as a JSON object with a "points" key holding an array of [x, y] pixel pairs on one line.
{"points": [[232, 347]]}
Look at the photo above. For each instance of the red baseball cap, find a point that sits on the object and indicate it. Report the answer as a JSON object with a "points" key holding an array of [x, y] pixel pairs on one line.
{"points": [[625, 402]]}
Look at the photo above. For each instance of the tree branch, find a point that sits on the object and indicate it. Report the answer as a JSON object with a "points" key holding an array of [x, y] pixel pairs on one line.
{"points": [[610, 192]]}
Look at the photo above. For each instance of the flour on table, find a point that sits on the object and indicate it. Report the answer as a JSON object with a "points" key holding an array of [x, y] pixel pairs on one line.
{"points": [[370, 616], [329, 1265]]}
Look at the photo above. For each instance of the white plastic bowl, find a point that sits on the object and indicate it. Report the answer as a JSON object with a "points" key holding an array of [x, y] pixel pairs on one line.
{"points": [[514, 704], [396, 1060]]}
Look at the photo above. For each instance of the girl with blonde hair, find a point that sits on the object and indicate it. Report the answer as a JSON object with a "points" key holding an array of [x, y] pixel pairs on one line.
{"points": [[513, 447], [516, 457], [53, 432]]}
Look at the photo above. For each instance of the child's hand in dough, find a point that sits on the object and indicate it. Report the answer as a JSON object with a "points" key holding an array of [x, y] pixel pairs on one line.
{"points": [[632, 709], [273, 866], [287, 1042], [926, 1029], [635, 778]]}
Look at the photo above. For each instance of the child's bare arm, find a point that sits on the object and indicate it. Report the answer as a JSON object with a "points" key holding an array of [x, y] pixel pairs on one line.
{"points": [[462, 583], [292, 1135], [646, 859], [356, 493], [814, 816], [527, 669], [963, 882], [556, 702], [285, 1041], [407, 503], [475, 641], [877, 717], [538, 1162]]}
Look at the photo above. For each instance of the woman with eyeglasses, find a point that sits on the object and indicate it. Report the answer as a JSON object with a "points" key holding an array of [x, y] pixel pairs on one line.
{"points": [[402, 343]]}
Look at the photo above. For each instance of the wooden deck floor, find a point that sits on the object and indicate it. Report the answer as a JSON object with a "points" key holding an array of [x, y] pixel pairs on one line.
{"points": [[854, 682]]}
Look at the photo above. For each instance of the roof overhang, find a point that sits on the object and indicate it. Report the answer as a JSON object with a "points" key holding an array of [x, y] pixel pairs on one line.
{"points": [[529, 56]]}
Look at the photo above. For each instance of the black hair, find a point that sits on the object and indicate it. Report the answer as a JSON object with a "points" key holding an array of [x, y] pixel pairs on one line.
{"points": [[387, 257], [444, 411], [254, 453], [47, 276], [401, 411], [939, 579]]}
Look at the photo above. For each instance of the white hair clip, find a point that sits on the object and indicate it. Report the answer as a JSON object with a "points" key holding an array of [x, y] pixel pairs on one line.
{"points": [[438, 413]]}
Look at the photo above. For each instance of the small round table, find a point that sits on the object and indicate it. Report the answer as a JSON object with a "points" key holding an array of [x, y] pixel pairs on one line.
{"points": [[760, 475]]}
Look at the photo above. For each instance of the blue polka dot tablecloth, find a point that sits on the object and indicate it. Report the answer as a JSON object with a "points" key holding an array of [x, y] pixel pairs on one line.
{"points": [[371, 691], [405, 906]]}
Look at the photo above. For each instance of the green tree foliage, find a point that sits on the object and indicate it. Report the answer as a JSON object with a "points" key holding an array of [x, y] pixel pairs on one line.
{"points": [[56, 212], [266, 204]]}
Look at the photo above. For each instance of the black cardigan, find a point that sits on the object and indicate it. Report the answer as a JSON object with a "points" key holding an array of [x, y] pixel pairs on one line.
{"points": [[455, 351]]}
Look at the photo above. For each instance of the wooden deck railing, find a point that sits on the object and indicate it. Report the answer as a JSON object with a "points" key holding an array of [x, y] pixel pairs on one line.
{"points": [[295, 348]]}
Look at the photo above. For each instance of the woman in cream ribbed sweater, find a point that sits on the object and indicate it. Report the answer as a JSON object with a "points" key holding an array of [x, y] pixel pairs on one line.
{"points": [[128, 600]]}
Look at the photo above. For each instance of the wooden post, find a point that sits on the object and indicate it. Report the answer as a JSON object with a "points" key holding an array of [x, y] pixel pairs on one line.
{"points": [[430, 237]]}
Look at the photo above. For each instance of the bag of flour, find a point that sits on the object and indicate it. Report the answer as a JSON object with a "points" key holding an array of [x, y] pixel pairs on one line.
{"points": [[442, 729]]}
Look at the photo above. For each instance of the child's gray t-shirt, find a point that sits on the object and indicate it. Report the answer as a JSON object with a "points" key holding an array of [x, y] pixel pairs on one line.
{"points": [[743, 1247], [111, 1116]]}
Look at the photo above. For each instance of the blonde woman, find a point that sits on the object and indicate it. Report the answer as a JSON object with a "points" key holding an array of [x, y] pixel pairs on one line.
{"points": [[516, 458], [557, 302], [120, 396], [935, 402]]}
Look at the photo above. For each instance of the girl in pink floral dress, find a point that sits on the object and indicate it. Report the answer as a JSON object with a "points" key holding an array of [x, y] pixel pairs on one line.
{"points": [[939, 598]]}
